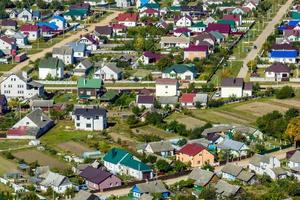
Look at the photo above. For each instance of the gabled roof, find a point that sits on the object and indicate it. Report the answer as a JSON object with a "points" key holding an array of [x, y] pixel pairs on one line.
{"points": [[90, 112], [168, 100], [178, 17], [77, 47], [181, 68], [64, 50], [29, 28], [145, 99], [152, 55], [94, 175], [76, 13], [133, 17], [217, 35], [151, 5], [199, 25], [191, 149], [197, 48], [8, 22], [231, 144], [51, 63], [225, 189], [161, 146], [245, 176], [202, 177], [54, 179], [182, 30], [232, 169], [283, 46], [39, 118], [8, 40], [278, 68], [232, 82], [187, 98], [113, 67], [295, 157], [222, 28], [166, 81], [105, 30], [152, 187], [84, 195], [89, 83], [232, 17], [86, 63]]}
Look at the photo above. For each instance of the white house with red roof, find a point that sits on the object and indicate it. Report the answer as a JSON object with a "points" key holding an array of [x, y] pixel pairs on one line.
{"points": [[236, 18], [149, 12], [119, 29], [189, 100], [166, 87], [182, 31], [250, 4], [7, 44], [183, 21], [32, 31], [127, 19], [91, 42]]}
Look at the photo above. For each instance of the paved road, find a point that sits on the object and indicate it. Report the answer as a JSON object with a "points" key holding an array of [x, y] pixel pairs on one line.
{"points": [[263, 37], [71, 38], [244, 163]]}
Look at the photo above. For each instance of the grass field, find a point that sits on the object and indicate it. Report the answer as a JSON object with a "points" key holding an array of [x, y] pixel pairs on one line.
{"points": [[73, 147], [43, 159], [7, 67], [6, 144], [190, 122], [7, 166]]}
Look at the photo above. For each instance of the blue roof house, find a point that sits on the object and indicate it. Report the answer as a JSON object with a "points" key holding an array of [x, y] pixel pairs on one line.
{"points": [[293, 22], [59, 21], [140, 191], [284, 53], [36, 15], [79, 50]]}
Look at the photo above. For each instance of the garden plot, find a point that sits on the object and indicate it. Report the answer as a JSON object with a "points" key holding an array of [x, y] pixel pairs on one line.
{"points": [[74, 147], [30, 156], [189, 122], [7, 166], [260, 108], [287, 102]]}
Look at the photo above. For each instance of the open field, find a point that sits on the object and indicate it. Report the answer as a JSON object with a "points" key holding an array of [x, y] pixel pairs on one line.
{"points": [[261, 108], [31, 156], [7, 166], [151, 130], [7, 144], [190, 122], [287, 102], [73, 147]]}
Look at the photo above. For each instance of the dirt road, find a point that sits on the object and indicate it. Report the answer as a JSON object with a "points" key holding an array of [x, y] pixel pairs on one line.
{"points": [[71, 38], [244, 163], [263, 37]]}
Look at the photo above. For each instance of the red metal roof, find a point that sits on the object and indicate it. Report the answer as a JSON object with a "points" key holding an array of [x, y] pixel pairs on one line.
{"points": [[232, 17], [222, 28], [150, 11], [191, 149], [127, 17], [29, 28], [187, 98], [119, 26], [168, 81], [197, 48]]}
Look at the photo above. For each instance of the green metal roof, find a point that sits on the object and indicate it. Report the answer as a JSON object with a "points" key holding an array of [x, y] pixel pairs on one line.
{"points": [[217, 35], [181, 68], [175, 8], [52, 63], [79, 12], [123, 157], [227, 21], [295, 15], [109, 95], [198, 24], [151, 5], [89, 83]]}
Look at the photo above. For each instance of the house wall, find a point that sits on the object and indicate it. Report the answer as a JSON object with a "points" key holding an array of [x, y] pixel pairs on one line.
{"points": [[90, 92], [188, 75], [228, 176], [95, 124], [25, 122], [166, 90], [282, 60], [191, 55], [108, 74], [184, 22], [247, 93], [128, 23], [32, 35], [231, 91], [198, 160], [5, 46], [55, 73], [67, 59]]}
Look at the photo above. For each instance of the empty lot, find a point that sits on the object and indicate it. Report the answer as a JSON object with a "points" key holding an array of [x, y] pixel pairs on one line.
{"points": [[190, 122], [73, 147], [261, 108], [7, 166]]}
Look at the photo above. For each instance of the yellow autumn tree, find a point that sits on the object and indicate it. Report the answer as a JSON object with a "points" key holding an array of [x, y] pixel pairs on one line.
{"points": [[293, 129]]}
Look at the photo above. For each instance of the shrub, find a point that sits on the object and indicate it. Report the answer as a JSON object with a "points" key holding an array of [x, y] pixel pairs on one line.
{"points": [[285, 92]]}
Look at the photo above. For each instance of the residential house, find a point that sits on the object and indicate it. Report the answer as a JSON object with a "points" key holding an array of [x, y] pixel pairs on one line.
{"points": [[224, 189], [291, 35], [278, 71], [145, 101], [127, 19], [235, 87], [236, 18], [57, 182], [190, 100], [195, 51], [97, 2], [21, 40], [166, 87], [284, 53], [32, 126], [15, 86], [140, 3], [202, 178], [89, 88], [198, 27], [173, 41], [45, 105], [90, 118], [36, 15], [250, 4], [3, 104], [195, 154], [294, 165], [79, 50], [183, 21], [209, 20], [168, 101], [76, 15], [7, 44], [149, 57], [59, 22], [182, 31], [109, 96], [83, 68], [119, 29], [98, 179], [225, 29], [32, 31], [8, 24], [234, 172], [13, 14], [106, 31], [162, 148], [109, 71], [219, 37], [124, 163], [25, 15], [81, 6], [247, 177], [91, 42], [84, 195], [149, 12], [180, 71], [51, 68], [124, 3], [264, 164], [64, 53], [235, 148], [145, 190]]}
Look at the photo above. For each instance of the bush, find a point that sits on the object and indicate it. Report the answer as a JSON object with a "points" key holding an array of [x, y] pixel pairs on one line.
{"points": [[285, 92], [215, 103]]}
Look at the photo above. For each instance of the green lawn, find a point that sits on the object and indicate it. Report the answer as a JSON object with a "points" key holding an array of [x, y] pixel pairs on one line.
{"points": [[7, 166], [6, 144], [7, 67]]}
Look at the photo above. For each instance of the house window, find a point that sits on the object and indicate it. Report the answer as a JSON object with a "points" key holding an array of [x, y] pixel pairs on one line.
{"points": [[97, 117], [88, 125], [78, 117], [77, 124]]}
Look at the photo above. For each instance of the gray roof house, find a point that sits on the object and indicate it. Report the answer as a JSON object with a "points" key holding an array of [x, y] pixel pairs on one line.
{"points": [[84, 195], [226, 190], [40, 103], [32, 126], [171, 101], [103, 31], [83, 67], [64, 53], [57, 182], [143, 189], [247, 177], [236, 148], [108, 71], [202, 177], [231, 171], [164, 148]]}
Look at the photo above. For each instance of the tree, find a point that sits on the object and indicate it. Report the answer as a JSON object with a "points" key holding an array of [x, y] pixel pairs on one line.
{"points": [[41, 4], [196, 132], [181, 142], [163, 166], [179, 166], [285, 92], [154, 118], [139, 43], [163, 63], [208, 87], [136, 110], [291, 113], [103, 146], [293, 129], [208, 193], [208, 167], [131, 120]]}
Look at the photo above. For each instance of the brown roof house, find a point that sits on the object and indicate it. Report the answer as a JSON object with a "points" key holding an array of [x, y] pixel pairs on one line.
{"points": [[235, 87], [146, 101], [98, 179], [278, 71]]}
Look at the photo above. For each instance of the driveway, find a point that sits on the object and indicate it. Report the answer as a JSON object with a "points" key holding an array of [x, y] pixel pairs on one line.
{"points": [[263, 37], [71, 38]]}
